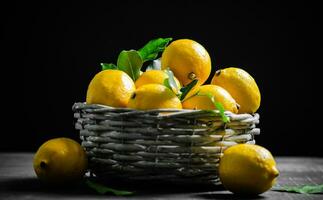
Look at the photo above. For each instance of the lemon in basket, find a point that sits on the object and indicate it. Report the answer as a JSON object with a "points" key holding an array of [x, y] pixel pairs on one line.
{"points": [[241, 86], [188, 60], [247, 169], [111, 88], [60, 161], [154, 96], [203, 101], [154, 76]]}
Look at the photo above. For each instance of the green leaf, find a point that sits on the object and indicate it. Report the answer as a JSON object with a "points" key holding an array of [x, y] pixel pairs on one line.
{"points": [[130, 62], [304, 189], [171, 80], [152, 48], [185, 90], [218, 105], [106, 66], [166, 83], [102, 189], [154, 65]]}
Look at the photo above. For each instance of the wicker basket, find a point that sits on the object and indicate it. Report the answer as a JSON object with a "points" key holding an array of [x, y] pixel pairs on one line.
{"points": [[164, 144]]}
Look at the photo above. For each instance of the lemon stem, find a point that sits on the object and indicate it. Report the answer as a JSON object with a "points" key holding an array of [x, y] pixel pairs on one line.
{"points": [[191, 76], [273, 172], [43, 164]]}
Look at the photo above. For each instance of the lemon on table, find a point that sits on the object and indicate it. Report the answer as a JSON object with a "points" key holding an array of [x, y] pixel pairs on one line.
{"points": [[111, 88], [59, 161], [242, 87], [154, 76], [188, 60], [247, 169], [154, 96], [202, 101]]}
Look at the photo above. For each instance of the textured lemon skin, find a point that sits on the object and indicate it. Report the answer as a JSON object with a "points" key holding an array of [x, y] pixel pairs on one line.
{"points": [[205, 103], [242, 87], [60, 161], [111, 88], [154, 76], [247, 169], [154, 96], [188, 60]]}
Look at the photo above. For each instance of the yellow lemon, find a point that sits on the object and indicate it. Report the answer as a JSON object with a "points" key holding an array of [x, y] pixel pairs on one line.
{"points": [[154, 76], [188, 60], [242, 87], [202, 101], [111, 88], [247, 169], [59, 161], [154, 96]]}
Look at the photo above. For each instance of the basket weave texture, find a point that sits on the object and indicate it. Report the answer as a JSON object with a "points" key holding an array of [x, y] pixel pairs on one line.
{"points": [[163, 144]]}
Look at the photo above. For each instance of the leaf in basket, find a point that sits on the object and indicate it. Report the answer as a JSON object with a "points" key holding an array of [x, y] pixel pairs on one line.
{"points": [[170, 81], [102, 189], [152, 48], [304, 189], [130, 62], [185, 90], [218, 105], [166, 83], [154, 65], [106, 66]]}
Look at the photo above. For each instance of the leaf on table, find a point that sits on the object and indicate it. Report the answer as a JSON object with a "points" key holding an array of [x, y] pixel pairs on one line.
{"points": [[152, 48], [102, 189], [185, 90], [130, 62], [304, 189], [106, 66]]}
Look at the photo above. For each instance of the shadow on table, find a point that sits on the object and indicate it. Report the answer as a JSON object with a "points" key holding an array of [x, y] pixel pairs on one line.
{"points": [[33, 185], [141, 189], [217, 195]]}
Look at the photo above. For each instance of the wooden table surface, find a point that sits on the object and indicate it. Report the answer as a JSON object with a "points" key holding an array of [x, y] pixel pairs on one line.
{"points": [[18, 181]]}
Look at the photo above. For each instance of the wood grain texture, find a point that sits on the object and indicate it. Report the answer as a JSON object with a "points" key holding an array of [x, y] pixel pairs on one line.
{"points": [[18, 181]]}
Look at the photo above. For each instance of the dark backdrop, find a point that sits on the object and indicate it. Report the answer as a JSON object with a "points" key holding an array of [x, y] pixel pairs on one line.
{"points": [[53, 50]]}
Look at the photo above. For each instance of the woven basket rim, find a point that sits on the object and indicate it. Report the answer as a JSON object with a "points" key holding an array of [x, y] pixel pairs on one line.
{"points": [[83, 105]]}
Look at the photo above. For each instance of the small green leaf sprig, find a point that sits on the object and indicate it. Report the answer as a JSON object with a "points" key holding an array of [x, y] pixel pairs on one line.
{"points": [[103, 189], [303, 189], [131, 61], [171, 84]]}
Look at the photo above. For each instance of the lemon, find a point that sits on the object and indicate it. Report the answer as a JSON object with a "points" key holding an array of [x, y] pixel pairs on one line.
{"points": [[202, 101], [111, 88], [154, 76], [242, 87], [188, 60], [247, 169], [154, 96], [59, 161]]}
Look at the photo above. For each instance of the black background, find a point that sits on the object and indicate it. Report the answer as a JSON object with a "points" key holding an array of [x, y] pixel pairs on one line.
{"points": [[53, 50]]}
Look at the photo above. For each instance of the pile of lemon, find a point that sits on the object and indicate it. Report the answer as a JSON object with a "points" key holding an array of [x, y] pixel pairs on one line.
{"points": [[234, 88], [244, 168]]}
